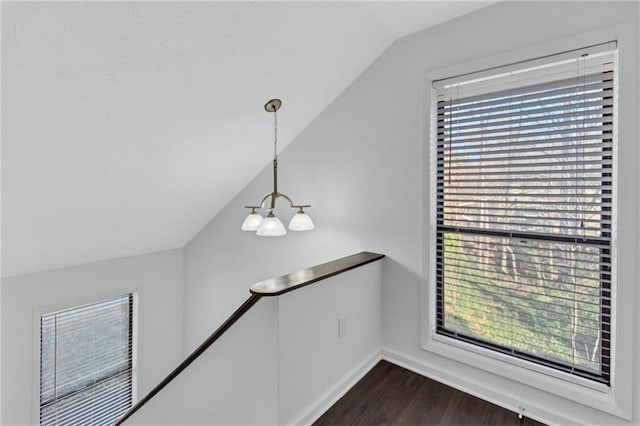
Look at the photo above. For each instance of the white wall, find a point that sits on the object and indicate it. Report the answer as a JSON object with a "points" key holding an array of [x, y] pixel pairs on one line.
{"points": [[158, 279], [359, 164], [235, 382], [316, 364]]}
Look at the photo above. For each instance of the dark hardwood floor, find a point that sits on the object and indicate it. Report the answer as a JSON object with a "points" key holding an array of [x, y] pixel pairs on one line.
{"points": [[391, 395]]}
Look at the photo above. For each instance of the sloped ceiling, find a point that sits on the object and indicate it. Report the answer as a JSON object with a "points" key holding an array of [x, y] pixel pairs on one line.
{"points": [[126, 126]]}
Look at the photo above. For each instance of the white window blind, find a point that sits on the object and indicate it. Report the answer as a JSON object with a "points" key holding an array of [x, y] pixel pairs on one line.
{"points": [[524, 210], [86, 359]]}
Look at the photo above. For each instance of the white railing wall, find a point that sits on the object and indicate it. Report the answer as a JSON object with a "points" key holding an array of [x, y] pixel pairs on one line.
{"points": [[283, 362]]}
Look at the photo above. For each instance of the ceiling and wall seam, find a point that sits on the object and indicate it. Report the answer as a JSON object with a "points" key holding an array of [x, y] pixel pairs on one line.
{"points": [[128, 126]]}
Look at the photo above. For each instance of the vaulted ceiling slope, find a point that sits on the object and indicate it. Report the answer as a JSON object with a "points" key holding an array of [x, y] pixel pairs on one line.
{"points": [[126, 126]]}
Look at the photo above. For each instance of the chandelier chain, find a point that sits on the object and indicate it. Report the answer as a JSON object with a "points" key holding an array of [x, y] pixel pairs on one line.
{"points": [[275, 135]]}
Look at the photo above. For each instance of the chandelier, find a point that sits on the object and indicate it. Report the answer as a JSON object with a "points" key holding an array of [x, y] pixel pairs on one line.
{"points": [[271, 226]]}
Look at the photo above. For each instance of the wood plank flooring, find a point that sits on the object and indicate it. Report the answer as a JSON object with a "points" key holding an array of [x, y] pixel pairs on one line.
{"points": [[392, 395]]}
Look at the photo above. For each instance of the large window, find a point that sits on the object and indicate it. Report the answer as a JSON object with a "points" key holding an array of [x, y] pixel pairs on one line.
{"points": [[524, 199], [86, 363]]}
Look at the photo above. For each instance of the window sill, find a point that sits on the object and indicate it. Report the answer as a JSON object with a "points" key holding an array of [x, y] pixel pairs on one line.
{"points": [[576, 389]]}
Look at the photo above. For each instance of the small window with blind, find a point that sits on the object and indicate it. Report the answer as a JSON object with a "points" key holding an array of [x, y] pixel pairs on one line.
{"points": [[523, 210], [86, 363]]}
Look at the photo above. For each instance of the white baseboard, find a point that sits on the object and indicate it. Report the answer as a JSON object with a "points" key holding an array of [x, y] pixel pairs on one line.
{"points": [[494, 396], [313, 412]]}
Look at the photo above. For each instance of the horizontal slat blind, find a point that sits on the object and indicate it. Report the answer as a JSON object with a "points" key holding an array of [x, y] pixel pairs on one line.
{"points": [[86, 363], [524, 204]]}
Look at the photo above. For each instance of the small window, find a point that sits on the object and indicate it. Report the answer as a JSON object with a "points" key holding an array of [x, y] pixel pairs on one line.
{"points": [[86, 363], [524, 208]]}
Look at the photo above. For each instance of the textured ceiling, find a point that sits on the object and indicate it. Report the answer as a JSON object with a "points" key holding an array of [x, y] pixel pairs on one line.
{"points": [[126, 126]]}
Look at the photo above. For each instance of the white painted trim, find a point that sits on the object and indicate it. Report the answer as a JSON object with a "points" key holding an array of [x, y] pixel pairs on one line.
{"points": [[618, 401], [35, 361], [316, 409], [134, 349], [469, 386]]}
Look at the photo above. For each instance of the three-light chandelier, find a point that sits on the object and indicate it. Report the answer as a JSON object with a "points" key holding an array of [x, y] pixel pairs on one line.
{"points": [[271, 226]]}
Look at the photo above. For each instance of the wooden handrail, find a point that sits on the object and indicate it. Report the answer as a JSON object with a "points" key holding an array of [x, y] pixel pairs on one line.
{"points": [[295, 280], [194, 355]]}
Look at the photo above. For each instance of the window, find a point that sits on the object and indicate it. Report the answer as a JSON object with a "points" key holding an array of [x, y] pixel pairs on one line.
{"points": [[86, 355], [524, 201]]}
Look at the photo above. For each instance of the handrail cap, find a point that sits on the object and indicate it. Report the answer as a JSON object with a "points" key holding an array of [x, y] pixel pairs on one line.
{"points": [[289, 282]]}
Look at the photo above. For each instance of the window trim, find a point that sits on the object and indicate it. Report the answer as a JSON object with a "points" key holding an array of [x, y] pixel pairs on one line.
{"points": [[617, 399], [496, 76], [72, 302]]}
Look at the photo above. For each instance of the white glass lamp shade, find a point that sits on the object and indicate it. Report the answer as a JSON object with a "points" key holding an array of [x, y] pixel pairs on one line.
{"points": [[301, 222], [252, 222], [271, 227]]}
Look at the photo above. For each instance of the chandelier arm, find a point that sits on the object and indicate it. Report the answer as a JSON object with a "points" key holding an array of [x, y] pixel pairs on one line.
{"points": [[295, 206], [286, 198], [278, 195], [265, 199]]}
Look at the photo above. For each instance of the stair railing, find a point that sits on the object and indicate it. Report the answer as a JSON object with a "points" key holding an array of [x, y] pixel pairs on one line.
{"points": [[268, 288]]}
